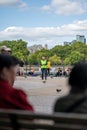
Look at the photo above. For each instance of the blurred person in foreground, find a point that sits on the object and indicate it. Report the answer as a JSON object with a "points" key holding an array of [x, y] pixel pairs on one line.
{"points": [[11, 98], [5, 50], [76, 100]]}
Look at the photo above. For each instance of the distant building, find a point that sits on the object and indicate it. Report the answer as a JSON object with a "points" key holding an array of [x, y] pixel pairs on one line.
{"points": [[81, 38], [67, 43], [74, 41], [34, 48], [46, 46]]}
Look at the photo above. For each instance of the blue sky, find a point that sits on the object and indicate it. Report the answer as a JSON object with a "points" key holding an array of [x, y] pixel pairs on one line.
{"points": [[43, 21]]}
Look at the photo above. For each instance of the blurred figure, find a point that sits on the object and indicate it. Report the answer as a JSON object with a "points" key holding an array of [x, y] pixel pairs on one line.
{"points": [[76, 100], [9, 52], [68, 70], [5, 50], [59, 73], [48, 67], [11, 98], [64, 73], [16, 67], [44, 69], [21, 69], [31, 71]]}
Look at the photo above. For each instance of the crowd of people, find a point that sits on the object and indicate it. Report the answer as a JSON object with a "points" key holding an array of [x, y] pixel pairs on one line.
{"points": [[63, 72], [44, 63], [12, 98], [46, 70]]}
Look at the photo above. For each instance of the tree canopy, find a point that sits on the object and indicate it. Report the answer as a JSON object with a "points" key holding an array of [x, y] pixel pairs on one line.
{"points": [[64, 54], [60, 54], [55, 60], [19, 48]]}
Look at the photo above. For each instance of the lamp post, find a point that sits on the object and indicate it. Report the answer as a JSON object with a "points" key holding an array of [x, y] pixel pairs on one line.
{"points": [[26, 64], [26, 60]]}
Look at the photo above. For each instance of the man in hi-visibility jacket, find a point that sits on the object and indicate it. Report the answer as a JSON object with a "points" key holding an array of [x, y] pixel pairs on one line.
{"points": [[44, 69]]}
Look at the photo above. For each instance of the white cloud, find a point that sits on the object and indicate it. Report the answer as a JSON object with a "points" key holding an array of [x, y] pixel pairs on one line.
{"points": [[66, 7], [14, 3], [45, 34], [46, 8]]}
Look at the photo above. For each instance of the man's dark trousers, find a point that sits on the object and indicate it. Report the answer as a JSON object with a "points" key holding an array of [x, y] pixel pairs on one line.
{"points": [[44, 73]]}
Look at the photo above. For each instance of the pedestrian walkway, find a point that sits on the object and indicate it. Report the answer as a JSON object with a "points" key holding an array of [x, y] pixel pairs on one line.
{"points": [[43, 96]]}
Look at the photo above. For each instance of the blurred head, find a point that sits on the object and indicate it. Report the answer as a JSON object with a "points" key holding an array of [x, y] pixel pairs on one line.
{"points": [[43, 58], [78, 77], [9, 52], [5, 50], [8, 68]]}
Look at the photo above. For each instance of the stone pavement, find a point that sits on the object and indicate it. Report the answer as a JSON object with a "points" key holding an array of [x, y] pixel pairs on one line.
{"points": [[42, 95]]}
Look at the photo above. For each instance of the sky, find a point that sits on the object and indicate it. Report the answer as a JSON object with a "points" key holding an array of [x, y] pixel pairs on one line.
{"points": [[43, 21]]}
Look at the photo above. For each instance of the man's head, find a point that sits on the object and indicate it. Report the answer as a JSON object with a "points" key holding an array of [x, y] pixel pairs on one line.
{"points": [[78, 77], [5, 50], [9, 52], [43, 57], [8, 68]]}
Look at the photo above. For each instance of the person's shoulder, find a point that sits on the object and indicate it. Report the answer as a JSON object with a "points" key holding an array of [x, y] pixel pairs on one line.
{"points": [[18, 92], [19, 99], [61, 100], [61, 103]]}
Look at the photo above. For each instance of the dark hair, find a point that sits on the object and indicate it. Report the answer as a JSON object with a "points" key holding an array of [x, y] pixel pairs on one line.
{"points": [[78, 76], [7, 61], [15, 60]]}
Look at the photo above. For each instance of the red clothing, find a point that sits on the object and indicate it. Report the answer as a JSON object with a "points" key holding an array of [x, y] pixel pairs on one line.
{"points": [[11, 98]]}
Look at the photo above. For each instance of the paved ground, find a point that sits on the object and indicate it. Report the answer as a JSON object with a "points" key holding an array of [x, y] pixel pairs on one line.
{"points": [[42, 96]]}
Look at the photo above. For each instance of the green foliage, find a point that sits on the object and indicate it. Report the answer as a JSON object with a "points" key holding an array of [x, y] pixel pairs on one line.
{"points": [[19, 48], [76, 57], [41, 53], [61, 51], [55, 60], [67, 61], [61, 54], [71, 54], [32, 59]]}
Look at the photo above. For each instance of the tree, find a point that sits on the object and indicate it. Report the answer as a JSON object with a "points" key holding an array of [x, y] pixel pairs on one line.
{"points": [[67, 61], [76, 57], [32, 59], [55, 60], [61, 51], [19, 48], [19, 55], [61, 54]]}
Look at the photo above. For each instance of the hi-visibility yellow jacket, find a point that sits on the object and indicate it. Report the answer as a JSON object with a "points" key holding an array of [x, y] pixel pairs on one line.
{"points": [[48, 64], [43, 64]]}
